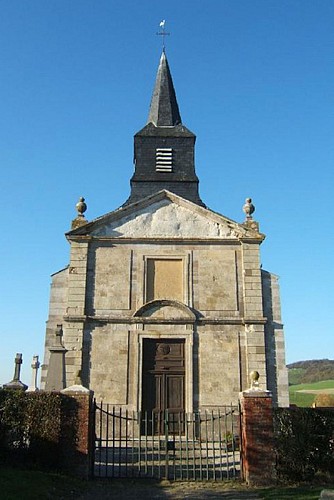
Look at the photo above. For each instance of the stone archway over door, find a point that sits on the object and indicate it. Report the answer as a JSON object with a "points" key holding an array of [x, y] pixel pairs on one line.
{"points": [[163, 381]]}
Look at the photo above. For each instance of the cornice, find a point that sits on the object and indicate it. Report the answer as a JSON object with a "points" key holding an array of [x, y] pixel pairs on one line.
{"points": [[131, 320], [160, 241]]}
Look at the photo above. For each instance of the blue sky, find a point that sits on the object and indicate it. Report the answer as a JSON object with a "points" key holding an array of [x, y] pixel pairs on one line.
{"points": [[254, 81]]}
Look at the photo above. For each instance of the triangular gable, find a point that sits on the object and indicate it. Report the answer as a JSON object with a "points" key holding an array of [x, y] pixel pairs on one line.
{"points": [[165, 215]]}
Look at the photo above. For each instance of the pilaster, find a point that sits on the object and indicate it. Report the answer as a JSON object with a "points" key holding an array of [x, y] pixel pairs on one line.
{"points": [[253, 307], [76, 309], [77, 279], [253, 311]]}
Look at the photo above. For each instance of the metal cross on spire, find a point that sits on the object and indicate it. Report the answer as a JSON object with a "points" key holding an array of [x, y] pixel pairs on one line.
{"points": [[163, 33]]}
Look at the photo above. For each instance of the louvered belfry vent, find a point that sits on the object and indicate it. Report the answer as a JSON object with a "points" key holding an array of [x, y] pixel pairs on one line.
{"points": [[164, 160]]}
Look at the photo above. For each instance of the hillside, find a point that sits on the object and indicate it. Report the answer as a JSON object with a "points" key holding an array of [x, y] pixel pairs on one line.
{"points": [[308, 372]]}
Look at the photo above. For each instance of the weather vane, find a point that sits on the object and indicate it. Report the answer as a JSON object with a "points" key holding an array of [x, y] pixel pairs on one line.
{"points": [[163, 33]]}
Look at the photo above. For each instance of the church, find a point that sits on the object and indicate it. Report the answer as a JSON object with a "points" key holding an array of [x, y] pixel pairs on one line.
{"points": [[164, 304]]}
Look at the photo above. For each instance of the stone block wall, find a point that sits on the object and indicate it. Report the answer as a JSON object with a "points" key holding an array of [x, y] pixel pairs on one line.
{"points": [[218, 278], [277, 372], [110, 364], [57, 310], [219, 371]]}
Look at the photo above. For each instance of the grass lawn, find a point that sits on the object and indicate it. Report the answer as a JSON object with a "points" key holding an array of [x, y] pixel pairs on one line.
{"points": [[306, 399], [20, 484], [324, 384], [17, 484]]}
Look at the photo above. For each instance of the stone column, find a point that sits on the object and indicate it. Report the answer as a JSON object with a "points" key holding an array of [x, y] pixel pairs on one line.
{"points": [[257, 436]]}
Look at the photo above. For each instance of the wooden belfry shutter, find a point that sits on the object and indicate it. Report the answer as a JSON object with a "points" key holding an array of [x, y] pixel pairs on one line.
{"points": [[164, 160]]}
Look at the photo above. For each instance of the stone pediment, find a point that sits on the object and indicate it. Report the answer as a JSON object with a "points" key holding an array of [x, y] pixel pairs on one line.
{"points": [[165, 215], [166, 310]]}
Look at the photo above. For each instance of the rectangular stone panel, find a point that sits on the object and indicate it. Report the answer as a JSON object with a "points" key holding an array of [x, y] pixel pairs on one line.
{"points": [[219, 371], [111, 279], [109, 365], [217, 280]]}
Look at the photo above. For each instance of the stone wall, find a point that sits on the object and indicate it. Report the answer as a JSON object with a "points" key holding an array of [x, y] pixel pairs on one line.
{"points": [[219, 368], [215, 276], [277, 372], [117, 278], [57, 310]]}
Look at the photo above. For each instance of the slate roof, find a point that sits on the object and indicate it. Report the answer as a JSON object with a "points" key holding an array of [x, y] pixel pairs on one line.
{"points": [[164, 110]]}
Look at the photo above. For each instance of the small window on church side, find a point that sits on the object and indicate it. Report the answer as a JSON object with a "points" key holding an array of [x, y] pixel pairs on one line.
{"points": [[164, 160], [164, 279]]}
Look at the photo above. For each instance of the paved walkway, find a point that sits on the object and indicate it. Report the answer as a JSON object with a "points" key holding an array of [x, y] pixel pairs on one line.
{"points": [[168, 491]]}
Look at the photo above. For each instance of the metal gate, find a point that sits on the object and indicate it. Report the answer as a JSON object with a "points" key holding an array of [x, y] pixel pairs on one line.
{"points": [[187, 446]]}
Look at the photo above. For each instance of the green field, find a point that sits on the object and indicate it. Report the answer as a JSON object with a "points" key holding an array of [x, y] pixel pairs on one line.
{"points": [[306, 399]]}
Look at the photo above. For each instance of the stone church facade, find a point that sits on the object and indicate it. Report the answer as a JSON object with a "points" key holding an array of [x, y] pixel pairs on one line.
{"points": [[164, 304]]}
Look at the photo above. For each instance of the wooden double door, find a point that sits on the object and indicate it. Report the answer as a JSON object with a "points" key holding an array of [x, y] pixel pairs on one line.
{"points": [[163, 391]]}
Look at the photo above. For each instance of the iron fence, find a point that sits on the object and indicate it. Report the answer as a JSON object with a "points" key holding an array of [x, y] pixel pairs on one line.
{"points": [[161, 444]]}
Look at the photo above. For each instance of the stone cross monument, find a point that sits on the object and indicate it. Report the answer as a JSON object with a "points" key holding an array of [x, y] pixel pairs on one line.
{"points": [[16, 382]]}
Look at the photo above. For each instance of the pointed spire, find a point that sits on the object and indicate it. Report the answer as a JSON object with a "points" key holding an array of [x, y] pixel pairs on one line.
{"points": [[164, 110]]}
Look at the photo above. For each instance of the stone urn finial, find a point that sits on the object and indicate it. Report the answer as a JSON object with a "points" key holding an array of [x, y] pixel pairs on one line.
{"points": [[248, 209], [254, 378], [81, 206]]}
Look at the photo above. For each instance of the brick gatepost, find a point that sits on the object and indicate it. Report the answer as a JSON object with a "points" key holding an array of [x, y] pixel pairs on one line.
{"points": [[257, 437], [78, 452]]}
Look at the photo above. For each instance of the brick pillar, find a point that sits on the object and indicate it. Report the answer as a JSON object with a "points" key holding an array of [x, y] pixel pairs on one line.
{"points": [[77, 442], [257, 432]]}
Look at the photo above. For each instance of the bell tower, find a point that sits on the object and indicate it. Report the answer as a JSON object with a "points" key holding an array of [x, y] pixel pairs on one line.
{"points": [[164, 149]]}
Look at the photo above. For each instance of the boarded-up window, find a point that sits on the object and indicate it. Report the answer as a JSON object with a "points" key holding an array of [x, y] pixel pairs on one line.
{"points": [[165, 279]]}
